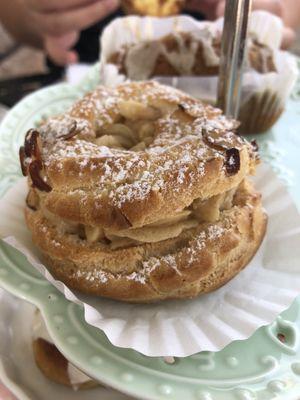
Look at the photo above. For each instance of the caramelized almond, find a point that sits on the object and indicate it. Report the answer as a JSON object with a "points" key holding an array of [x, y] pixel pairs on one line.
{"points": [[72, 132], [32, 200], [215, 140], [254, 145], [22, 157], [33, 144], [35, 168], [232, 162]]}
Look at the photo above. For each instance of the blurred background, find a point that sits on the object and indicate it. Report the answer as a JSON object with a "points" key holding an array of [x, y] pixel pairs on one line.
{"points": [[28, 63]]}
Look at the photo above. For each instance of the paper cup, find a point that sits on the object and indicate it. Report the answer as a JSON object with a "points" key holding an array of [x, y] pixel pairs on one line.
{"points": [[263, 95], [265, 288]]}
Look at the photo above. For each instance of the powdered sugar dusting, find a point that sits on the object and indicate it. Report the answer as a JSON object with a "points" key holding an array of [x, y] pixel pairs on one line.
{"points": [[189, 253], [215, 231], [173, 162], [58, 127], [95, 275]]}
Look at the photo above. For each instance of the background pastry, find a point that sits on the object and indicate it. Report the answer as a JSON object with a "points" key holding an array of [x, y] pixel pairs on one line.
{"points": [[156, 8], [181, 48], [52, 363], [195, 53]]}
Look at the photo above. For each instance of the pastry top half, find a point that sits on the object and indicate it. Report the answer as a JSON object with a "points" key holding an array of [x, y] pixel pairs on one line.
{"points": [[125, 157], [185, 53]]}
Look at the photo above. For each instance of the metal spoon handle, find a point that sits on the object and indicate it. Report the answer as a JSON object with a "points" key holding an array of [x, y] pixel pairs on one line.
{"points": [[234, 36]]}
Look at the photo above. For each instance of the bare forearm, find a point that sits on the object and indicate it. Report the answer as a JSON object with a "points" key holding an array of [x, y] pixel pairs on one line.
{"points": [[16, 19], [291, 13], [54, 25]]}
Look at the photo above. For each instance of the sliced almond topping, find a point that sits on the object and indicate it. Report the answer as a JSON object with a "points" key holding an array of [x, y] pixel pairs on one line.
{"points": [[33, 144], [35, 169], [233, 161], [22, 157], [32, 200], [72, 132], [215, 140]]}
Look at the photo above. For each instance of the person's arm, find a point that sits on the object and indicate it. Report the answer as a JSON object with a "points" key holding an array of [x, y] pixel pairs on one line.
{"points": [[288, 10], [291, 13], [15, 19], [53, 24]]}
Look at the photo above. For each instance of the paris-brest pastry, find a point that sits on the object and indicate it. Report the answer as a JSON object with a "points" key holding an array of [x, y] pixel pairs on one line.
{"points": [[141, 193]]}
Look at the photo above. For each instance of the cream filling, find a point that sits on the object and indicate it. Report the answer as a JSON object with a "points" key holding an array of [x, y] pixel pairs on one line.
{"points": [[39, 331], [162, 230], [166, 228], [134, 128]]}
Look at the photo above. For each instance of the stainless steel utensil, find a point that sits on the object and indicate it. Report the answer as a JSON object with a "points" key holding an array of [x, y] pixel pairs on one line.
{"points": [[236, 19]]}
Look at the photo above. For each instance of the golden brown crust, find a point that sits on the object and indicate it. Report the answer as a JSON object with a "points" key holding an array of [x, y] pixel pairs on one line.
{"points": [[91, 208], [114, 188], [54, 365], [197, 261], [97, 212]]}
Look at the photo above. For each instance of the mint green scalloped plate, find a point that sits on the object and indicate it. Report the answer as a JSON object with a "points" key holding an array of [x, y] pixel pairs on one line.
{"points": [[261, 367]]}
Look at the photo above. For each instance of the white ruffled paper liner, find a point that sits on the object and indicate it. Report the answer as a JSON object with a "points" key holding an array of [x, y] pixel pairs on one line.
{"points": [[265, 288], [267, 27]]}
